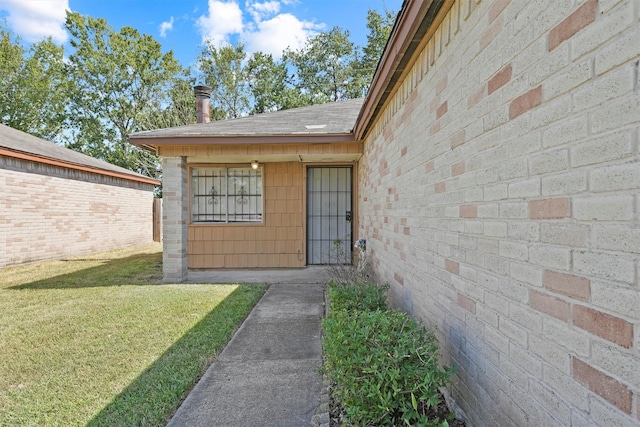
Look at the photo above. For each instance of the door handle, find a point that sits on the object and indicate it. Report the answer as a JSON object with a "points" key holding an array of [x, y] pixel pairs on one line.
{"points": [[347, 216]]}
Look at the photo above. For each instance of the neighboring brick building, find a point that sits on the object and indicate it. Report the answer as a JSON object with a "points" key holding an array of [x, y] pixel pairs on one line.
{"points": [[498, 191], [57, 203]]}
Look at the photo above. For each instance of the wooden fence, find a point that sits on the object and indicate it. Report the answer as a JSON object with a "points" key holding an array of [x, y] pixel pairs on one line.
{"points": [[157, 220]]}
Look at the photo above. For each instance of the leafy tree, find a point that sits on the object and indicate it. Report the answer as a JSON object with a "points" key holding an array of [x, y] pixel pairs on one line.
{"points": [[267, 81], [224, 71], [364, 66], [32, 86], [118, 82], [270, 86], [117, 76], [324, 66], [330, 68], [175, 107]]}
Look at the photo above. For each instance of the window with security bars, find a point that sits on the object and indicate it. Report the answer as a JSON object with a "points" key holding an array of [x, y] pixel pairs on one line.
{"points": [[226, 194]]}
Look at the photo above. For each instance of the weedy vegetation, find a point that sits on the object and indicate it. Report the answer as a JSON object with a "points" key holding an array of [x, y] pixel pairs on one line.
{"points": [[383, 366]]}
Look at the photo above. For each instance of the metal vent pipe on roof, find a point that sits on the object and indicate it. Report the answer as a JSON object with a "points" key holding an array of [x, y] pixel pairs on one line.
{"points": [[203, 94]]}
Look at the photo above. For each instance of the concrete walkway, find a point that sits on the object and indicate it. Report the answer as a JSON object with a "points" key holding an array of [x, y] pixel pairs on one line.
{"points": [[310, 274], [268, 373]]}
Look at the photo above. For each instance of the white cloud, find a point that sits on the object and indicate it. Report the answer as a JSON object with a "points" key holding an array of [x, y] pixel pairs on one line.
{"points": [[260, 11], [35, 20], [166, 26], [267, 29], [225, 19], [276, 34]]}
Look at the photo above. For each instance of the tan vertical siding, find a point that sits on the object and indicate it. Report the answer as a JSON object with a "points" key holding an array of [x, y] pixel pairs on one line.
{"points": [[277, 242]]}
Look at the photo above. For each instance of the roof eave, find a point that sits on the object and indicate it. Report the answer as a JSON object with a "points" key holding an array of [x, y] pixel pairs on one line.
{"points": [[17, 154], [413, 23], [149, 142]]}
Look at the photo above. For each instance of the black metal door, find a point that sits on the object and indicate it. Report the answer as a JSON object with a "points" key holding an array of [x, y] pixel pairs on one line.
{"points": [[329, 215]]}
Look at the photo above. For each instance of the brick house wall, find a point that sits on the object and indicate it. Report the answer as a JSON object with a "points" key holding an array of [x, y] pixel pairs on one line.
{"points": [[499, 196], [51, 212]]}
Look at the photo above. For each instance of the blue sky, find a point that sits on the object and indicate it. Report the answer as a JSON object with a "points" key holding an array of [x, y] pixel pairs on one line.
{"points": [[182, 26]]}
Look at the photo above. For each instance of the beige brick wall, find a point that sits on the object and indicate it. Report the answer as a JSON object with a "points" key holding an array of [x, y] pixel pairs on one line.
{"points": [[47, 212], [174, 219], [499, 196]]}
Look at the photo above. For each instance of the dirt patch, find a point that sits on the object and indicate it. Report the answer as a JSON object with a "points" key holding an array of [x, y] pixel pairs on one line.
{"points": [[441, 413]]}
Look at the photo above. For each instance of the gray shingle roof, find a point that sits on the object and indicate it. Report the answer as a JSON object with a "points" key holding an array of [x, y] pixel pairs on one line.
{"points": [[19, 141], [333, 118]]}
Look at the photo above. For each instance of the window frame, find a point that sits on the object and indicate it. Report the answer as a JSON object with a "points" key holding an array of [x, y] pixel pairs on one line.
{"points": [[227, 168]]}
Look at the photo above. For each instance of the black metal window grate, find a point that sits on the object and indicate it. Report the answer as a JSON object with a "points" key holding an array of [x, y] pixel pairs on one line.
{"points": [[226, 194]]}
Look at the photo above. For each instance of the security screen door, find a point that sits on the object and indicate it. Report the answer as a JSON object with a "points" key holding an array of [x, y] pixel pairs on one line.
{"points": [[329, 215]]}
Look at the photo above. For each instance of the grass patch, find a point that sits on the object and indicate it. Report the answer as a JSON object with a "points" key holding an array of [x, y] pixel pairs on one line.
{"points": [[97, 341]]}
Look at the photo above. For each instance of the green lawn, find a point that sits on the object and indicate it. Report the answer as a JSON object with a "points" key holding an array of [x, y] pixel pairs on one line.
{"points": [[98, 341]]}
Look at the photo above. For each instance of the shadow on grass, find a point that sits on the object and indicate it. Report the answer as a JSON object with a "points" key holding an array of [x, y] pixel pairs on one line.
{"points": [[134, 270], [157, 393]]}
